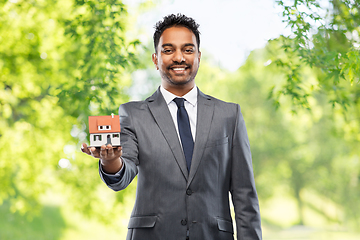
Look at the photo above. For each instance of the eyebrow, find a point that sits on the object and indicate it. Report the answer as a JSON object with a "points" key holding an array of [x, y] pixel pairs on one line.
{"points": [[189, 44], [170, 45]]}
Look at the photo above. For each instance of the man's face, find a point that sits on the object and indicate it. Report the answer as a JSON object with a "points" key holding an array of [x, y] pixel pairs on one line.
{"points": [[177, 57]]}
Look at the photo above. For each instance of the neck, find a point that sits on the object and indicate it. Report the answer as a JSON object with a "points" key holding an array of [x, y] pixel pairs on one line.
{"points": [[179, 90]]}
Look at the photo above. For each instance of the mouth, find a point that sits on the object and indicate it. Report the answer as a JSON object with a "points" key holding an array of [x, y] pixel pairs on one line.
{"points": [[179, 69]]}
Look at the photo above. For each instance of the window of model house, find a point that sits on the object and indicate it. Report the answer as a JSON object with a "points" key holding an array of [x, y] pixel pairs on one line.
{"points": [[97, 137], [104, 127]]}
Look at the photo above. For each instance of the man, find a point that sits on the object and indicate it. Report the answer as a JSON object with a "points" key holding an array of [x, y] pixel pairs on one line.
{"points": [[188, 149]]}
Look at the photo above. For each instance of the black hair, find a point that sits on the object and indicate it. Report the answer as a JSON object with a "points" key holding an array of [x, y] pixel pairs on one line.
{"points": [[175, 20]]}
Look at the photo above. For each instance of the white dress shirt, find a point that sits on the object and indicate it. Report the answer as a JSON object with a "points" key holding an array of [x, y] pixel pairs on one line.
{"points": [[190, 106]]}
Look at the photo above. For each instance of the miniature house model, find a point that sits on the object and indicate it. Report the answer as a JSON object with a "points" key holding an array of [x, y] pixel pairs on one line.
{"points": [[104, 130]]}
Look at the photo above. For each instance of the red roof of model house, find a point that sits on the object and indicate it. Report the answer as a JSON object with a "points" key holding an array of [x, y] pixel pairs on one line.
{"points": [[104, 124]]}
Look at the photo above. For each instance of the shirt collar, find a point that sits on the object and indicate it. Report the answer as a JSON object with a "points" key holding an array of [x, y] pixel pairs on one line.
{"points": [[190, 97]]}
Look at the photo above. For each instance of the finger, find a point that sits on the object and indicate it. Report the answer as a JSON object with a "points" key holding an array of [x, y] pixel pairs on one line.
{"points": [[94, 152], [110, 151], [119, 151], [85, 149], [103, 152]]}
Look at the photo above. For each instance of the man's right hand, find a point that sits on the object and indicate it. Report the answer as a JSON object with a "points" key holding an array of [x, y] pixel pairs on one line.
{"points": [[110, 158]]}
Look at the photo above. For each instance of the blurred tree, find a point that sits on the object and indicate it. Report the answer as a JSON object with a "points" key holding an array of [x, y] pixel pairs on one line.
{"points": [[301, 149], [60, 61], [326, 38]]}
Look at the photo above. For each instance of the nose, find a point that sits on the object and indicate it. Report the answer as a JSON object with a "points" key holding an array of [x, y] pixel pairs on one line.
{"points": [[178, 56]]}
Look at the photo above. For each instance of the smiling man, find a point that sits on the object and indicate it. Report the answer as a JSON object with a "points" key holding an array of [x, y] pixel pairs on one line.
{"points": [[189, 150], [177, 58]]}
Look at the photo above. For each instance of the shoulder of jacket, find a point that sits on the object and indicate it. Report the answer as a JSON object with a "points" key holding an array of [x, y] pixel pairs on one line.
{"points": [[222, 103], [132, 105]]}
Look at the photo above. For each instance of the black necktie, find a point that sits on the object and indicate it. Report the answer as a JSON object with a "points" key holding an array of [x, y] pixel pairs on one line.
{"points": [[184, 131]]}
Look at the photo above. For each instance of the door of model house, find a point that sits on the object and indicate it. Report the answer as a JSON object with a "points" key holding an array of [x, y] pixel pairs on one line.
{"points": [[108, 139]]}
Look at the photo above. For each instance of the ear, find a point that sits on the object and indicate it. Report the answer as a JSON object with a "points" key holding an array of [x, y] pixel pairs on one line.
{"points": [[155, 60], [199, 56]]}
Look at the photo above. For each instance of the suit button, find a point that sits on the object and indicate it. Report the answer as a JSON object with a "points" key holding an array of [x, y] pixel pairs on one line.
{"points": [[189, 192], [183, 222]]}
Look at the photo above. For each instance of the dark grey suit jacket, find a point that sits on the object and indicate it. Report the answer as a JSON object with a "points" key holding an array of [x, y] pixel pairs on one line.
{"points": [[172, 203]]}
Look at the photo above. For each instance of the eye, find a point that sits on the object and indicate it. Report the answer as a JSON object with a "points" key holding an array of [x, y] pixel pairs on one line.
{"points": [[189, 50], [166, 51]]}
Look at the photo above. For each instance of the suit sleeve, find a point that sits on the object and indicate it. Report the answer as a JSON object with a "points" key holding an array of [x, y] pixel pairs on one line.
{"points": [[111, 178], [130, 153], [243, 192]]}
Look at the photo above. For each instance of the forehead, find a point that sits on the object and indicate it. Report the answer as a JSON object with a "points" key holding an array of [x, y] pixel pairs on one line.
{"points": [[177, 36]]}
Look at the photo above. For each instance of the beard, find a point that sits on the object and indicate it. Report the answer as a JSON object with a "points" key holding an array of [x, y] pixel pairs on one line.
{"points": [[166, 75]]}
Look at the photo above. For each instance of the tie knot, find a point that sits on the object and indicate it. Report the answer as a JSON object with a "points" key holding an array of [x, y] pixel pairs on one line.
{"points": [[179, 102]]}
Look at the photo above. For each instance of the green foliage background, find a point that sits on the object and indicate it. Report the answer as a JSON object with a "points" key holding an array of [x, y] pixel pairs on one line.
{"points": [[61, 61]]}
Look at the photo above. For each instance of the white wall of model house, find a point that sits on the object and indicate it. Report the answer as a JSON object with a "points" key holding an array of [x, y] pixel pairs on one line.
{"points": [[98, 139]]}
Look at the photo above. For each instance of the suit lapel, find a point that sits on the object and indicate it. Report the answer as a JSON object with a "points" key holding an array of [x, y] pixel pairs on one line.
{"points": [[205, 112], [162, 116]]}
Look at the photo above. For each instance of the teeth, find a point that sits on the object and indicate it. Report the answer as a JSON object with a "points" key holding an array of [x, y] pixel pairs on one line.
{"points": [[179, 69]]}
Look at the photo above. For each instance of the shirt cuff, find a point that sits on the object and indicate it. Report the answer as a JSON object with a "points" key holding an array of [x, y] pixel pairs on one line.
{"points": [[112, 178]]}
